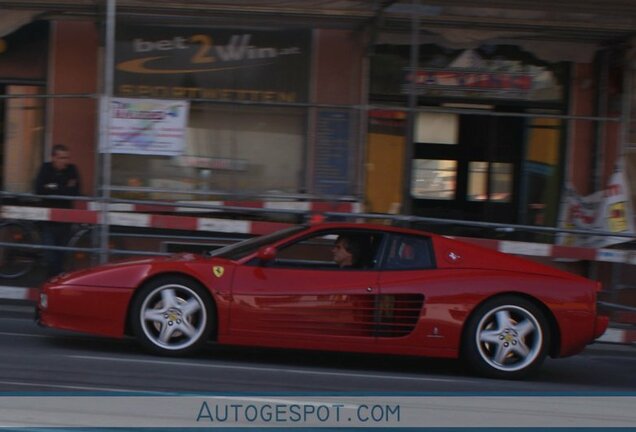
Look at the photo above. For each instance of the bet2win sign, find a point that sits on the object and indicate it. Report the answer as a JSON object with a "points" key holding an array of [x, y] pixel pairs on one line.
{"points": [[217, 64], [147, 126]]}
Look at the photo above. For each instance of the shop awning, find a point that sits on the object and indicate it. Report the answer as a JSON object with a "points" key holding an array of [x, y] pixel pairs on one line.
{"points": [[574, 28]]}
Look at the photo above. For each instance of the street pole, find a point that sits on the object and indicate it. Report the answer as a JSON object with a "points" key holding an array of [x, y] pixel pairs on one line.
{"points": [[104, 125], [411, 113]]}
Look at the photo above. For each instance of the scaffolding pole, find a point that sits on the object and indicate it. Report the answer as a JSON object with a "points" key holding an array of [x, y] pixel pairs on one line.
{"points": [[104, 123]]}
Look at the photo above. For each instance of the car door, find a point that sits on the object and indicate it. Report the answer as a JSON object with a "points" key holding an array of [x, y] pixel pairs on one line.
{"points": [[408, 280], [302, 299]]}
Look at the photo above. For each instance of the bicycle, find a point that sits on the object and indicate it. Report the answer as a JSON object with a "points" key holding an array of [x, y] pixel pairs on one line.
{"points": [[21, 248]]}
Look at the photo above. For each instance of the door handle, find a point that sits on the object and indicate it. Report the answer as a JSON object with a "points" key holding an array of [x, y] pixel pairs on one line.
{"points": [[369, 289]]}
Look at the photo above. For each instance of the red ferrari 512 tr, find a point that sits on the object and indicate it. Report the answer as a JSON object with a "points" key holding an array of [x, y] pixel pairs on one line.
{"points": [[339, 286]]}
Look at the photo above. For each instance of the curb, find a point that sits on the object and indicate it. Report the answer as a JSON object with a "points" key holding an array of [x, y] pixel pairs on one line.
{"points": [[617, 335], [19, 293], [613, 335]]}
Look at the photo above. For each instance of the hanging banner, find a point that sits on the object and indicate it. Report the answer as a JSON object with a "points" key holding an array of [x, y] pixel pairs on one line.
{"points": [[609, 210], [500, 73], [147, 126]]}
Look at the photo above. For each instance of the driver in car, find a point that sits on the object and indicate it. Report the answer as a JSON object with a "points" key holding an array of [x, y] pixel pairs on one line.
{"points": [[346, 252]]}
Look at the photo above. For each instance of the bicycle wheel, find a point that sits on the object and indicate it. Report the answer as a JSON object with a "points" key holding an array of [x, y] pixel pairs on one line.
{"points": [[85, 237], [76, 260], [14, 260]]}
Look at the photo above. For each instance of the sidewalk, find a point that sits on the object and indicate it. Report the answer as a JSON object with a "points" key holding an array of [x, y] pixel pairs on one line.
{"points": [[8, 292]]}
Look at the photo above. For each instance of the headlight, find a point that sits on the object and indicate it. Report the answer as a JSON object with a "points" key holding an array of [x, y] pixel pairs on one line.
{"points": [[44, 301]]}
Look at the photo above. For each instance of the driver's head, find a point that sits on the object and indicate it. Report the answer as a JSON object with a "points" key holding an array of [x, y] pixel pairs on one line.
{"points": [[345, 251]]}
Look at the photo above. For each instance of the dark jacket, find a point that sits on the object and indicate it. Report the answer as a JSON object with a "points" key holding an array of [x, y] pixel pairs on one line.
{"points": [[53, 182]]}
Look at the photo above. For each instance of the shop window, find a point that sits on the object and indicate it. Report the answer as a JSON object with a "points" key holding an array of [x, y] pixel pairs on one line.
{"points": [[541, 171], [227, 150], [23, 133], [490, 181], [436, 128], [434, 179]]}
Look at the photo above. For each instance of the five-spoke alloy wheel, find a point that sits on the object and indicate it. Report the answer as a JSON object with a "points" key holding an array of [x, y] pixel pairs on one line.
{"points": [[172, 316], [507, 337]]}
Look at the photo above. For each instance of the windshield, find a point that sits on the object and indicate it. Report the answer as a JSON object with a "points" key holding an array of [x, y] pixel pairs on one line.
{"points": [[244, 248]]}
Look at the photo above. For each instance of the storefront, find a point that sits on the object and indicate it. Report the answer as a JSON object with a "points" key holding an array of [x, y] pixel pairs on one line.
{"points": [[269, 110], [252, 124], [23, 71], [486, 132], [488, 142], [234, 143]]}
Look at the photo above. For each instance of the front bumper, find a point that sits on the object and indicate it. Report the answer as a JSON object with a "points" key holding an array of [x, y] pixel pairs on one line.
{"points": [[600, 325]]}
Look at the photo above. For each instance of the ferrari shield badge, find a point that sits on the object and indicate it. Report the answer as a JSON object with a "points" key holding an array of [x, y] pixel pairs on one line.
{"points": [[218, 271]]}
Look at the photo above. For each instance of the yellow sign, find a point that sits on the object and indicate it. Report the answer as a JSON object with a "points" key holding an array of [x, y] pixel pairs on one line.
{"points": [[218, 271], [229, 94], [617, 217]]}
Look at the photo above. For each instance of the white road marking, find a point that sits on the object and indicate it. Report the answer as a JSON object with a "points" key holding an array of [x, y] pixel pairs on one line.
{"points": [[271, 369], [278, 400], [87, 388], [17, 319], [23, 335]]}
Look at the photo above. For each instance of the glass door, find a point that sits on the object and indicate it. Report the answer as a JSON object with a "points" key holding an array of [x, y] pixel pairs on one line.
{"points": [[467, 166]]}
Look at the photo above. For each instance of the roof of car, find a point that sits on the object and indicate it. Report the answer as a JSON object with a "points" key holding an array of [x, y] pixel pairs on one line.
{"points": [[368, 226]]}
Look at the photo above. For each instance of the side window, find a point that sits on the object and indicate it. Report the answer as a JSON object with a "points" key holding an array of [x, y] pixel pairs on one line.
{"points": [[406, 252], [321, 251], [312, 251]]}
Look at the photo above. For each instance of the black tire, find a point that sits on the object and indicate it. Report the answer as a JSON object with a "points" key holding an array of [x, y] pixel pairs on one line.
{"points": [[15, 261], [180, 327], [506, 337]]}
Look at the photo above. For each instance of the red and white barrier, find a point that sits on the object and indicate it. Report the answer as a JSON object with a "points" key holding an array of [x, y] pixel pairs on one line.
{"points": [[182, 206], [141, 220], [556, 251], [193, 223]]}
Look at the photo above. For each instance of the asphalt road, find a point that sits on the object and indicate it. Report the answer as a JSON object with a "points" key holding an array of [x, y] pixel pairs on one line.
{"points": [[35, 359]]}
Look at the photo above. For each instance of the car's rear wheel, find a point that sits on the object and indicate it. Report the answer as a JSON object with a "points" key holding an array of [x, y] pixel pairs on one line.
{"points": [[172, 316], [506, 337]]}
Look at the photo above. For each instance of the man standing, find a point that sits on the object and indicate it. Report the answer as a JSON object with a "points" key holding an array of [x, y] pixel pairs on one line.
{"points": [[57, 177]]}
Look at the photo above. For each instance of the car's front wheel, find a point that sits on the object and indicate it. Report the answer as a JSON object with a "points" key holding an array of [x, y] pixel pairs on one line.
{"points": [[506, 337], [172, 316]]}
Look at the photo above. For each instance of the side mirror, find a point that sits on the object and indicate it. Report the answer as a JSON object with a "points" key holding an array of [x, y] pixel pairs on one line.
{"points": [[267, 253]]}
